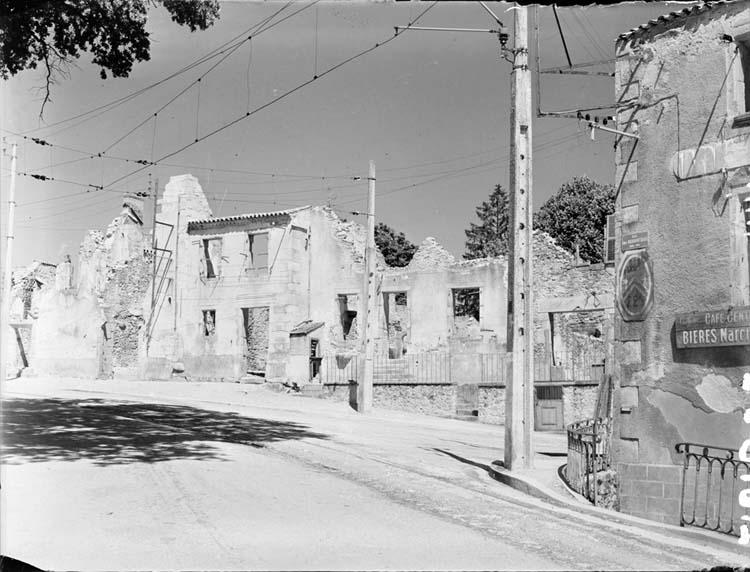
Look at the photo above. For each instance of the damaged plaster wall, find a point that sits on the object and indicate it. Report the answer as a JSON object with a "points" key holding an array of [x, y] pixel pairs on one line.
{"points": [[27, 286], [684, 87], [91, 327], [250, 307]]}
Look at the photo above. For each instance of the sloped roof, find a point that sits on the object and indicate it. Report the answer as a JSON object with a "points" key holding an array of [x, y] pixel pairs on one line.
{"points": [[194, 224], [304, 328], [671, 17]]}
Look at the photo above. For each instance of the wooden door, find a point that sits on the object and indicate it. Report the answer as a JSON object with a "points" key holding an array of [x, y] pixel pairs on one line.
{"points": [[548, 408]]}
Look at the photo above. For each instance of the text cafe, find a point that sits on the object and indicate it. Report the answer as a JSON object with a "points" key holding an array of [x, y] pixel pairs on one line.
{"points": [[730, 327]]}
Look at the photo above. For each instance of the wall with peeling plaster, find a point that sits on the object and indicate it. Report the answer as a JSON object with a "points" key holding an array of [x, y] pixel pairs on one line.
{"points": [[90, 322], [315, 259], [681, 87]]}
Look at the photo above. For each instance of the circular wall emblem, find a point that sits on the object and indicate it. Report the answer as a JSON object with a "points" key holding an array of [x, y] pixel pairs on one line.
{"points": [[635, 286]]}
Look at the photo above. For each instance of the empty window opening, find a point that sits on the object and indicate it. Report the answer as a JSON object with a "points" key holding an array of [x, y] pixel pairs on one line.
{"points": [[743, 46], [209, 322], [348, 315], [256, 326], [315, 358], [466, 303], [258, 250], [212, 256], [396, 309]]}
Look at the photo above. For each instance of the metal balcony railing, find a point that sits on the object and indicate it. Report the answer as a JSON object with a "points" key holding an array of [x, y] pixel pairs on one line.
{"points": [[710, 488]]}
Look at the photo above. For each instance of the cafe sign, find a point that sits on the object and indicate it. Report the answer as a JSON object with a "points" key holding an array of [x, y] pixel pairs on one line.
{"points": [[730, 327]]}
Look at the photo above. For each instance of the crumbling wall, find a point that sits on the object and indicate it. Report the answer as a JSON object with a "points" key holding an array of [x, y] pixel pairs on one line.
{"points": [[92, 327], [673, 72], [579, 402]]}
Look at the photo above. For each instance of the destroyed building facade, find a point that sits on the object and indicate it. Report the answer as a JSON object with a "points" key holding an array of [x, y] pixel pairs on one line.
{"points": [[278, 297]]}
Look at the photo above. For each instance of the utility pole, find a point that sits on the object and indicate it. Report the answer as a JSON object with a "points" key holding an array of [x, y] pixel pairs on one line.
{"points": [[176, 264], [154, 244], [8, 268], [364, 389], [519, 391]]}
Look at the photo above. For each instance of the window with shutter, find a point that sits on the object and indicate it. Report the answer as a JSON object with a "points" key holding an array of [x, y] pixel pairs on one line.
{"points": [[609, 240]]}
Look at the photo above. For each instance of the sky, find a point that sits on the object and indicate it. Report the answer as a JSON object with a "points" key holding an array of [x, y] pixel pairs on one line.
{"points": [[430, 108]]}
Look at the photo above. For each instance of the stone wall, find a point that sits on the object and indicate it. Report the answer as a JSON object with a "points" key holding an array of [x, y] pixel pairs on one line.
{"points": [[439, 400], [446, 400], [579, 403], [92, 326], [675, 193], [492, 405]]}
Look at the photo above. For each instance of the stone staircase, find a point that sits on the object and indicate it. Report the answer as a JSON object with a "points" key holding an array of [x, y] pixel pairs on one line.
{"points": [[467, 403]]}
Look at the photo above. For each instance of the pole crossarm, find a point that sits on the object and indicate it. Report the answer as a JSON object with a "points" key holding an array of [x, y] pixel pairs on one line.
{"points": [[430, 29], [593, 126]]}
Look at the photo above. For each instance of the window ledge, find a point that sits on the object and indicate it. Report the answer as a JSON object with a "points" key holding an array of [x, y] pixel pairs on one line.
{"points": [[742, 120]]}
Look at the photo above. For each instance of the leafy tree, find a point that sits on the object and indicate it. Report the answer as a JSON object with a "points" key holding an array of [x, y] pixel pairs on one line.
{"points": [[577, 215], [490, 236], [55, 32], [396, 248]]}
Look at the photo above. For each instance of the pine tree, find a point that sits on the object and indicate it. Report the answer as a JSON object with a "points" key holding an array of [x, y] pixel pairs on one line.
{"points": [[490, 237]]}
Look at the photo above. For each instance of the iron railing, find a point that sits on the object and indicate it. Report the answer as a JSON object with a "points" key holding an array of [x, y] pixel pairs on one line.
{"points": [[413, 368], [588, 453], [339, 368], [710, 487], [418, 368]]}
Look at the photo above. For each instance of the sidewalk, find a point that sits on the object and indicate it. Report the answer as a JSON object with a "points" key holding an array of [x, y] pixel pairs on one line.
{"points": [[437, 447]]}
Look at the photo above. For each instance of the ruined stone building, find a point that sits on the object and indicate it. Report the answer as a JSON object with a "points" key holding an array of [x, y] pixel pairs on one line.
{"points": [[28, 285], [261, 294], [277, 297], [683, 282], [89, 323]]}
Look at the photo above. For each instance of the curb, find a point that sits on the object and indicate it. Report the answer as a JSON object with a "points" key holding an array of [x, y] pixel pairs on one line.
{"points": [[533, 488]]}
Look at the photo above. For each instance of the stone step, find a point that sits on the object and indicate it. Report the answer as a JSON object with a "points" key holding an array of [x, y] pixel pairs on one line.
{"points": [[255, 379]]}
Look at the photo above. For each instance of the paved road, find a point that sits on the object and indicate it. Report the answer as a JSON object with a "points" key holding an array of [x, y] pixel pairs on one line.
{"points": [[133, 477]]}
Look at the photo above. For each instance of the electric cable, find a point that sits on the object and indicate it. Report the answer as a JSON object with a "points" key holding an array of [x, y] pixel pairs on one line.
{"points": [[275, 100], [210, 55]]}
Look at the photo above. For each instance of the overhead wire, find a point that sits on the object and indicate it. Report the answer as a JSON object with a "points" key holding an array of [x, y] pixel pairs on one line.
{"points": [[206, 57], [277, 99], [588, 35], [155, 115], [598, 42]]}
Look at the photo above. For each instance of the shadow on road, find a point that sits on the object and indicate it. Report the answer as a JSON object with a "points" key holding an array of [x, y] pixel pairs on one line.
{"points": [[106, 432]]}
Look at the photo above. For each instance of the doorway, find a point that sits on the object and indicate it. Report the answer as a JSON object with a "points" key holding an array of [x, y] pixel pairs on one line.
{"points": [[548, 408], [255, 324]]}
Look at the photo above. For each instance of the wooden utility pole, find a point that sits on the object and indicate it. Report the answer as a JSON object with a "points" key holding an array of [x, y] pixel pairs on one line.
{"points": [[154, 244], [519, 391], [364, 389], [176, 263], [8, 268]]}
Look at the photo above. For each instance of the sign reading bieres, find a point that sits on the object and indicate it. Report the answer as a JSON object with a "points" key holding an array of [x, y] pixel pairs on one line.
{"points": [[729, 327]]}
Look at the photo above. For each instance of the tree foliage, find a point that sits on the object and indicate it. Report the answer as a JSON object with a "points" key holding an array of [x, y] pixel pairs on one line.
{"points": [[55, 32], [395, 247], [577, 215], [489, 237]]}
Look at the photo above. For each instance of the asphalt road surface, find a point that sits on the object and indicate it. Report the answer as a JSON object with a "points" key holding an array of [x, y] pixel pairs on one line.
{"points": [[114, 480]]}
